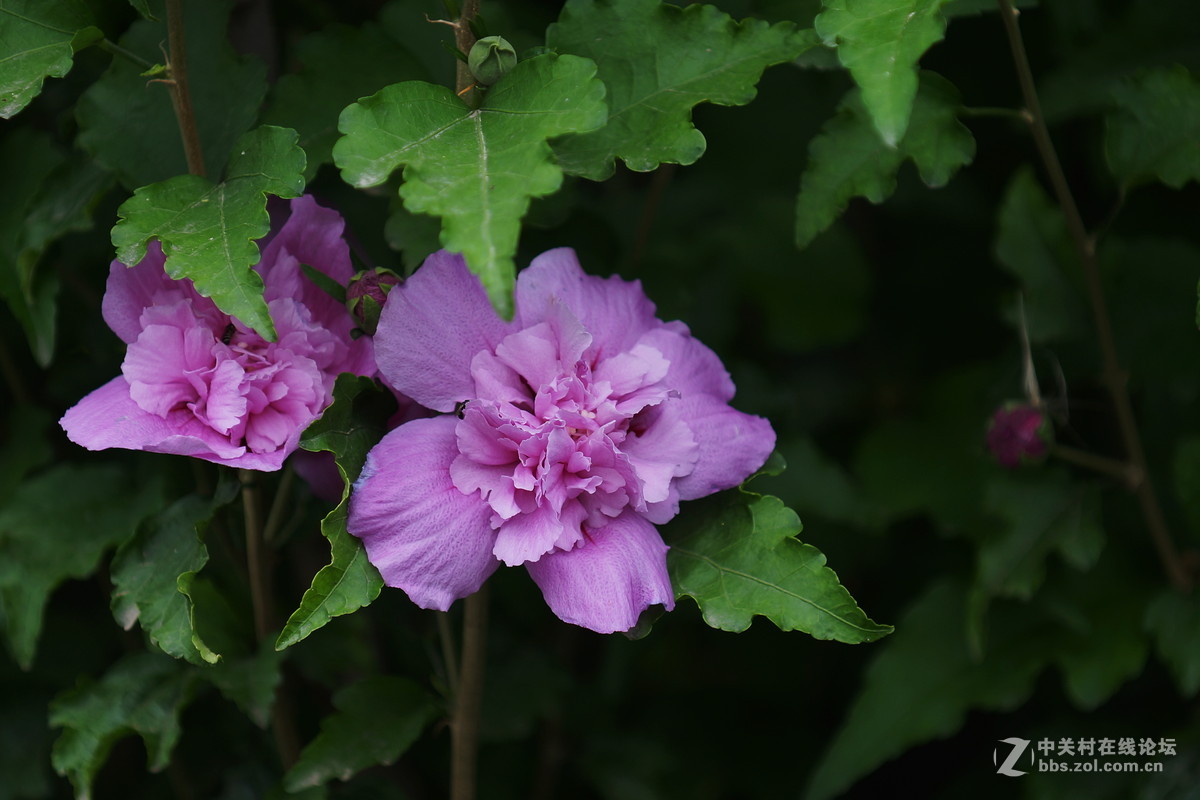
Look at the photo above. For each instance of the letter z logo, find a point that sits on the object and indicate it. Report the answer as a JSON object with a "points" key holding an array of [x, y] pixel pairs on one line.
{"points": [[1018, 749]]}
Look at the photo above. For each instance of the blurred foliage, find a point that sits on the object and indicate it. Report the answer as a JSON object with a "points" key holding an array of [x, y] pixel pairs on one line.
{"points": [[1026, 604]]}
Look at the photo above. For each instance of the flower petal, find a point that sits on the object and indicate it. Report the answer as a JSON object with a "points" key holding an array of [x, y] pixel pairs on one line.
{"points": [[431, 327], [423, 534], [732, 445], [694, 367], [132, 290], [615, 312], [527, 537], [108, 417], [605, 583]]}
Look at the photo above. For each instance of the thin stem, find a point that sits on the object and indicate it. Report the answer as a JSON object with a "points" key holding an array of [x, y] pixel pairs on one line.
{"points": [[181, 97], [468, 701], [1085, 244], [279, 505], [451, 661], [464, 40], [1126, 473], [258, 569], [255, 564], [114, 49]]}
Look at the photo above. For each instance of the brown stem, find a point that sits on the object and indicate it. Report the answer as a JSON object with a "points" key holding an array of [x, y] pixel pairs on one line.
{"points": [[255, 564], [258, 568], [468, 700], [181, 97], [1126, 473], [464, 40], [1085, 244]]}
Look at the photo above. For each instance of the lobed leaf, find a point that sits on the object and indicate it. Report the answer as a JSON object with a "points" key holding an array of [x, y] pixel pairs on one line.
{"points": [[38, 40], [126, 121], [659, 61], [152, 575], [743, 560], [848, 159], [376, 721], [208, 231], [476, 169], [143, 694], [1154, 129], [349, 429], [56, 526], [880, 42]]}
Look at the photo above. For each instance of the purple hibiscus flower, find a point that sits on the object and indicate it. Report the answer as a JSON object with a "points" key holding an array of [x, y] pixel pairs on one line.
{"points": [[196, 381], [581, 424]]}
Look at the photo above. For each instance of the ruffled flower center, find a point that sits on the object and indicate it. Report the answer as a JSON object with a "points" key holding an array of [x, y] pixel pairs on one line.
{"points": [[189, 362], [553, 441]]}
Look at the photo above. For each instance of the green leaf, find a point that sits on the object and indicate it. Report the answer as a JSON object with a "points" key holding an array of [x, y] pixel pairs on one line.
{"points": [[55, 527], [1032, 243], [349, 429], [1173, 619], [659, 61], [143, 8], [880, 42], [476, 169], [847, 159], [208, 231], [1153, 132], [742, 559], [49, 194], [923, 681], [142, 694], [38, 40], [250, 681], [376, 721], [152, 575], [26, 447], [1042, 512], [1102, 645], [129, 124], [340, 65]]}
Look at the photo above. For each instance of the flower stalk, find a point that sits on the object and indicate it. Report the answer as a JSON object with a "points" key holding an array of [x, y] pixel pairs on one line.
{"points": [[1115, 378], [468, 698]]}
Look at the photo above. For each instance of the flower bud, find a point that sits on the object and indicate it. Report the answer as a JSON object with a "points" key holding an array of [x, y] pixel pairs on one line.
{"points": [[1019, 433], [366, 295], [490, 59]]}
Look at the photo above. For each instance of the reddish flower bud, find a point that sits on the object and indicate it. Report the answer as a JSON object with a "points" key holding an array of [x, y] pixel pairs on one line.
{"points": [[1018, 433], [366, 295]]}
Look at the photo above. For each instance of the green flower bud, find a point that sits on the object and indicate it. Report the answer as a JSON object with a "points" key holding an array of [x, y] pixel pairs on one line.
{"points": [[366, 295], [490, 59]]}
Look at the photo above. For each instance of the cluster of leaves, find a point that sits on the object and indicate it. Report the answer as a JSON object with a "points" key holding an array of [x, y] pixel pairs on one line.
{"points": [[878, 337]]}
